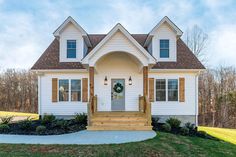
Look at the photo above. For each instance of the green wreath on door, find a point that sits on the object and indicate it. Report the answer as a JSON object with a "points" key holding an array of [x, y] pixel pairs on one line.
{"points": [[118, 87]]}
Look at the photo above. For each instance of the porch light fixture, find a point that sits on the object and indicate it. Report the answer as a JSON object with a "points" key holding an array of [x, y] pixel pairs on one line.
{"points": [[130, 81], [105, 80]]}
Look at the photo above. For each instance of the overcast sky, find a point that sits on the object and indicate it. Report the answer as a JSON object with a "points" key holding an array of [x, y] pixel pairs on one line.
{"points": [[26, 26]]}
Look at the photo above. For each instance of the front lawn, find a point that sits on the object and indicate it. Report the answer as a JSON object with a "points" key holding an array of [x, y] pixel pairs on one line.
{"points": [[164, 144], [228, 135], [19, 114]]}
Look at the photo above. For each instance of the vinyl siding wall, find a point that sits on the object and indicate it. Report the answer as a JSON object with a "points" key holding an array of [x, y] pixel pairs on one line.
{"points": [[59, 108], [176, 108]]}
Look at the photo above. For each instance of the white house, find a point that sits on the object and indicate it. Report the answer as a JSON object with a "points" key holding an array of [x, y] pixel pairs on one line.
{"points": [[119, 79]]}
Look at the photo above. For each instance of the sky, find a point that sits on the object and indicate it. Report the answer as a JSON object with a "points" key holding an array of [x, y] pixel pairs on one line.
{"points": [[27, 26]]}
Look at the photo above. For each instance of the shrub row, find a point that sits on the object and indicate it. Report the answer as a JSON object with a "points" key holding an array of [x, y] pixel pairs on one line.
{"points": [[47, 125], [173, 125]]}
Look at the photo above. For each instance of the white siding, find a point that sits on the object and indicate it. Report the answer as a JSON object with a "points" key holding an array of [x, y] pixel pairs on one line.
{"points": [[119, 43], [176, 108], [164, 32], [70, 32], [118, 65], [59, 108]]}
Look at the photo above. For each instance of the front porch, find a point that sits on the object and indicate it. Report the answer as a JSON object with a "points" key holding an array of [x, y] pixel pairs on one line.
{"points": [[120, 120]]}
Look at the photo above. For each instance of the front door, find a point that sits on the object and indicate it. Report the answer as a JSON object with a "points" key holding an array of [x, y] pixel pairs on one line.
{"points": [[117, 94]]}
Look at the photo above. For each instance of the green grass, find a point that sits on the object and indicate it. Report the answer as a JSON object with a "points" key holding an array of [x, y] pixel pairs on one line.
{"points": [[164, 144], [228, 135], [19, 114]]}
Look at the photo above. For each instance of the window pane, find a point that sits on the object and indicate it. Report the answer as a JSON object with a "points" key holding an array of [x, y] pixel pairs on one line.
{"points": [[172, 90], [164, 53], [71, 48], [75, 90], [160, 90], [164, 48], [63, 90]]}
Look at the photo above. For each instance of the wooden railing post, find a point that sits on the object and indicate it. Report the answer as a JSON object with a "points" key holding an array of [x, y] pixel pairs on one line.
{"points": [[95, 103], [148, 110], [141, 104]]}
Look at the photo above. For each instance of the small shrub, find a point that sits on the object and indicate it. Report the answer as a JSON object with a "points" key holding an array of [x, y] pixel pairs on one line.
{"points": [[166, 127], [62, 124], [184, 131], [202, 134], [6, 120], [41, 129], [81, 118], [174, 123], [26, 124], [4, 128], [192, 128], [48, 119], [155, 123]]}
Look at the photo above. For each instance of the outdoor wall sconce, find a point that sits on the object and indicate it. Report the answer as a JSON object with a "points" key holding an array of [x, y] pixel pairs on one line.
{"points": [[130, 81], [105, 80]]}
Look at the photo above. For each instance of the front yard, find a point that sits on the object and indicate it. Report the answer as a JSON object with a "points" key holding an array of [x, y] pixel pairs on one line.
{"points": [[164, 144]]}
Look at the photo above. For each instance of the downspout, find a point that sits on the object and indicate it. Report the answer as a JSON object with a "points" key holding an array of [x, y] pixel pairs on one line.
{"points": [[196, 99], [39, 96]]}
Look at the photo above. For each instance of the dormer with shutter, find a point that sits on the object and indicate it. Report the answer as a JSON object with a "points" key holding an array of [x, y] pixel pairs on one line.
{"points": [[74, 41]]}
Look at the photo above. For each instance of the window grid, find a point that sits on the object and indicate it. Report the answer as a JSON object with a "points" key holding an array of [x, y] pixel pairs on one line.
{"points": [[71, 48], [172, 90], [160, 90], [63, 90], [75, 90], [164, 48]]}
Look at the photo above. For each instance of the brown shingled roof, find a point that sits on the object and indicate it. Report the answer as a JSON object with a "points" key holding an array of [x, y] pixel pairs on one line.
{"points": [[50, 58]]}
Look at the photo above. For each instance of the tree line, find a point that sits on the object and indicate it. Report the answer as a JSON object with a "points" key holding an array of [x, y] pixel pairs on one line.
{"points": [[18, 91]]}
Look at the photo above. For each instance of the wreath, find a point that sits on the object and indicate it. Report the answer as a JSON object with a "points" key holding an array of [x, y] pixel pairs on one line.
{"points": [[118, 88]]}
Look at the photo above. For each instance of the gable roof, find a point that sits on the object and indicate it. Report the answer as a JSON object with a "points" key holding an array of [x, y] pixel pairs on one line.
{"points": [[116, 28], [170, 23], [57, 32], [50, 58]]}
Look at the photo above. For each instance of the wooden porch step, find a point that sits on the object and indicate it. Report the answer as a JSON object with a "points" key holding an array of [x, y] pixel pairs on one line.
{"points": [[119, 114], [118, 119], [120, 127], [112, 123]]}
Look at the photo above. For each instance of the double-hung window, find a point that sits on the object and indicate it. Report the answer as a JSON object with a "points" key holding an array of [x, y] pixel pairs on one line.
{"points": [[164, 48], [64, 90], [71, 48], [160, 90], [167, 90], [75, 90], [172, 90]]}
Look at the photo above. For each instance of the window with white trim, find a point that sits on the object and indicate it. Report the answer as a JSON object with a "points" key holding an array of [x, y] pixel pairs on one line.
{"points": [[64, 90], [75, 90], [160, 90], [164, 48], [167, 90], [172, 90]]}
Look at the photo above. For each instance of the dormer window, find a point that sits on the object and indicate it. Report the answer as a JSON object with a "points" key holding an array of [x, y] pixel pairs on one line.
{"points": [[164, 48], [71, 48]]}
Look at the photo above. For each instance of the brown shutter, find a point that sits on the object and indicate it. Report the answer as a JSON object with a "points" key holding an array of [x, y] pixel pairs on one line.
{"points": [[181, 89], [54, 89], [84, 89], [151, 89]]}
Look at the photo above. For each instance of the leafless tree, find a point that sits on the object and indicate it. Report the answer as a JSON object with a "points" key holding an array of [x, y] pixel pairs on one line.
{"points": [[196, 39]]}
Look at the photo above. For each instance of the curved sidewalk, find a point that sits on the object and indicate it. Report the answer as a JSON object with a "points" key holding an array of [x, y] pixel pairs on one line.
{"points": [[82, 137]]}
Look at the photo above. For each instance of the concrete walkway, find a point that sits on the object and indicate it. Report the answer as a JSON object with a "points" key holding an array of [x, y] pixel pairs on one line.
{"points": [[82, 137]]}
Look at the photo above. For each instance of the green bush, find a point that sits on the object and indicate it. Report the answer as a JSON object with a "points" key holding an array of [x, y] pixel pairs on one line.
{"points": [[81, 118], [26, 124], [174, 123], [192, 128], [48, 119], [62, 124], [184, 131], [41, 129], [4, 128], [202, 134], [166, 127], [6, 120]]}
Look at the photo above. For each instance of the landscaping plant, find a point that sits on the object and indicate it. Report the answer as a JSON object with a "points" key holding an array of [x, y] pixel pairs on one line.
{"points": [[174, 123], [6, 120], [41, 129], [81, 118], [4, 128]]}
